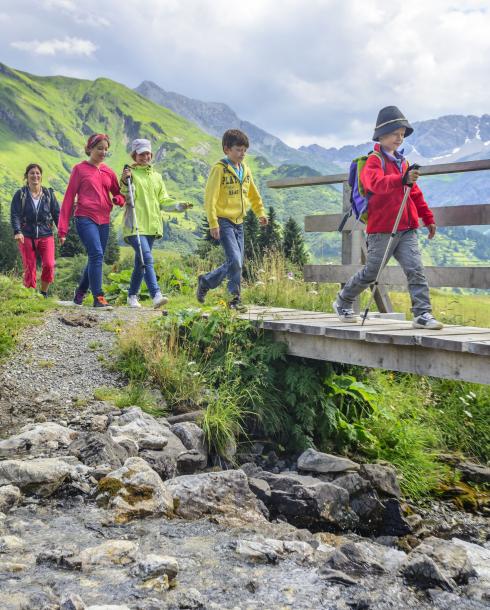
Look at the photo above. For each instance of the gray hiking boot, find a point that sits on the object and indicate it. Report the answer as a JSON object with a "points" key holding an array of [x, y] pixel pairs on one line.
{"points": [[427, 320], [345, 314], [202, 290]]}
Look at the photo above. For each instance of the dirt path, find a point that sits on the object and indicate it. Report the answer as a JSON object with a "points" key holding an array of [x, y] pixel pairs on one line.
{"points": [[58, 364]]}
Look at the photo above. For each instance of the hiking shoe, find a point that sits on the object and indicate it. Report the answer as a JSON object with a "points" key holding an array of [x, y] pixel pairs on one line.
{"points": [[78, 297], [427, 320], [159, 300], [345, 314], [201, 289], [133, 301], [236, 304], [100, 301]]}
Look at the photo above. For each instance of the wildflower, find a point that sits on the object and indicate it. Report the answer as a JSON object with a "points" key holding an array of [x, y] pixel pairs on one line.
{"points": [[196, 374], [313, 292], [259, 283], [261, 271], [472, 394], [290, 275], [238, 362], [272, 278], [191, 363], [468, 414], [463, 400]]}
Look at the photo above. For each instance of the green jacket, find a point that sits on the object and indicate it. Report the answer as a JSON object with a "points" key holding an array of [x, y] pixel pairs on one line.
{"points": [[150, 198]]}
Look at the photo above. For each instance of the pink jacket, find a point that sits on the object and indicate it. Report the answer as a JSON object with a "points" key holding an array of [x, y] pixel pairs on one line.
{"points": [[93, 187]]}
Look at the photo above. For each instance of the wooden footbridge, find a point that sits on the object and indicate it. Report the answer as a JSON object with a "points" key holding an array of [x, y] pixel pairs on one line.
{"points": [[456, 352]]}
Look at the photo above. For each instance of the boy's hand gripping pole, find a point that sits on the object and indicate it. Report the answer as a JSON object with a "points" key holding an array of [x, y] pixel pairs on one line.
{"points": [[135, 220], [375, 284]]}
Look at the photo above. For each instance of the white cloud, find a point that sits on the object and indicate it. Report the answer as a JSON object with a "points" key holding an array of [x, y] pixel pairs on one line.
{"points": [[70, 8], [55, 46]]}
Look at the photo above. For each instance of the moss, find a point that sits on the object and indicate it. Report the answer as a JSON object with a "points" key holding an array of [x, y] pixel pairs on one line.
{"points": [[135, 494], [465, 496], [110, 486]]}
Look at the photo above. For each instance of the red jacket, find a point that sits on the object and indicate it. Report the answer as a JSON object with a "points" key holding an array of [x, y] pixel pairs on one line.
{"points": [[386, 188], [93, 187]]}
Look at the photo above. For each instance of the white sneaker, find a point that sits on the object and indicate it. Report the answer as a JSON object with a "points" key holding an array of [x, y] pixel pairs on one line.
{"points": [[345, 314], [159, 300], [427, 320], [133, 301]]}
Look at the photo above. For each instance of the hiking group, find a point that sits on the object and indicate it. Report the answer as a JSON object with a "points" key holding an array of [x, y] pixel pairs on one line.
{"points": [[384, 195]]}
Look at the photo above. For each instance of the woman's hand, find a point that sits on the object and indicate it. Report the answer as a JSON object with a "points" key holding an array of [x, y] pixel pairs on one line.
{"points": [[126, 174], [61, 240], [19, 237]]}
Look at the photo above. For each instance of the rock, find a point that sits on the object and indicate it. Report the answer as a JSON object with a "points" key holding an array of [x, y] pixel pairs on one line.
{"points": [[192, 416], [383, 479], [394, 523], [364, 501], [152, 566], [108, 607], [269, 550], [41, 476], [474, 472], [220, 494], [308, 502], [99, 423], [37, 438], [165, 465], [151, 441], [479, 559], [422, 571], [324, 463], [339, 577], [64, 559], [189, 600], [353, 559], [95, 449], [134, 490], [442, 600], [192, 437], [452, 558], [191, 461], [111, 552], [72, 602], [10, 543], [10, 496], [261, 489]]}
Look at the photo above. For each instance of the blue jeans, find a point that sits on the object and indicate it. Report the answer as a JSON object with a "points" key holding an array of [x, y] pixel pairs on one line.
{"points": [[149, 272], [94, 237], [231, 238]]}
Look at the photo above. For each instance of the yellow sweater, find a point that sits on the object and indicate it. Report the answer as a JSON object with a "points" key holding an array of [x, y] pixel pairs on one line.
{"points": [[225, 197]]}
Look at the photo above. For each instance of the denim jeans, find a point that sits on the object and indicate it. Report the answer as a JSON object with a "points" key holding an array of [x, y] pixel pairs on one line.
{"points": [[405, 249], [231, 238], [94, 237], [149, 272]]}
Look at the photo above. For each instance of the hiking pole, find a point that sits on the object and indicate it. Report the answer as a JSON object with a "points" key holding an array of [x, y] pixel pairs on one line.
{"points": [[375, 284], [135, 220]]}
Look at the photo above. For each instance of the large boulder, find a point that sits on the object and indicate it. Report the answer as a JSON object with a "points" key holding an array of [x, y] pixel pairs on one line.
{"points": [[37, 438], [479, 560], [451, 558], [423, 572], [364, 501], [308, 502], [134, 490], [383, 478], [96, 449], [41, 476], [110, 552], [193, 439], [223, 495], [324, 463]]}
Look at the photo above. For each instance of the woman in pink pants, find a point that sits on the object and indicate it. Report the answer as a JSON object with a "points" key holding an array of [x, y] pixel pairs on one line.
{"points": [[33, 212]]}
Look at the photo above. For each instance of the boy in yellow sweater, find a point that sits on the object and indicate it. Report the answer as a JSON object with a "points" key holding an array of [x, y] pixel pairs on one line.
{"points": [[230, 191]]}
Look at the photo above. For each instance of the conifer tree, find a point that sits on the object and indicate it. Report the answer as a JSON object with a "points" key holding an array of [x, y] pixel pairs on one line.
{"points": [[113, 249], [294, 243], [270, 235], [72, 245], [9, 253]]}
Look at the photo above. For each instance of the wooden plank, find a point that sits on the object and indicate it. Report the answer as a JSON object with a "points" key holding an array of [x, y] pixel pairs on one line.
{"points": [[437, 277], [455, 343], [450, 337], [464, 366], [426, 170], [479, 347], [445, 216]]}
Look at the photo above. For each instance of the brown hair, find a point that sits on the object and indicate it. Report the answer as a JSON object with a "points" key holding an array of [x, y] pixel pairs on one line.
{"points": [[234, 137], [32, 166], [94, 139]]}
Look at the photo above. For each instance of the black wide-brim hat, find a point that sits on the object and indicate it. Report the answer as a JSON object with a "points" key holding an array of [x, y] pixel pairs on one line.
{"points": [[390, 119]]}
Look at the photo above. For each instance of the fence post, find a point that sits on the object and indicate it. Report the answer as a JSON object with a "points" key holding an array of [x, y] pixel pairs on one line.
{"points": [[351, 240]]}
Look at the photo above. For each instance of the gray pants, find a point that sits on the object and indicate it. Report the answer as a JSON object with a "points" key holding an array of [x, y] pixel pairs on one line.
{"points": [[405, 249]]}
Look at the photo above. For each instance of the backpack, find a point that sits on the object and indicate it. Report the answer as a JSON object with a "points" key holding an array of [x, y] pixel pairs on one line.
{"points": [[359, 198], [47, 192]]}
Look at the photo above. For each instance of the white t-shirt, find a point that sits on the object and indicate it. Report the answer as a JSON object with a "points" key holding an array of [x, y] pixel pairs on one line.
{"points": [[35, 200]]}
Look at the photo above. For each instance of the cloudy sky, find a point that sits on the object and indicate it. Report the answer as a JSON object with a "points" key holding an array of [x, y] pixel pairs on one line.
{"points": [[305, 70]]}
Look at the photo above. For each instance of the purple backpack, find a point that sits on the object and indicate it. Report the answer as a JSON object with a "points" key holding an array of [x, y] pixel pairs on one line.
{"points": [[359, 198]]}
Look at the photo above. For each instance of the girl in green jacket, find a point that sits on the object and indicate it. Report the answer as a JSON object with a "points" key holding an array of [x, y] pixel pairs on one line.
{"points": [[143, 223]]}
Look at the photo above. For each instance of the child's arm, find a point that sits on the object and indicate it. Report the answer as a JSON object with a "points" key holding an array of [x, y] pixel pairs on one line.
{"points": [[374, 180], [256, 200], [423, 210], [67, 205], [211, 196]]}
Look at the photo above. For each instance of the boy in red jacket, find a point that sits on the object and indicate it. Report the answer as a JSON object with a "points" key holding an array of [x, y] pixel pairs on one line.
{"points": [[386, 188]]}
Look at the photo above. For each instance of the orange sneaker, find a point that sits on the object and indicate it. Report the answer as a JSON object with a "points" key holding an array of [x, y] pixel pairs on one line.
{"points": [[100, 301]]}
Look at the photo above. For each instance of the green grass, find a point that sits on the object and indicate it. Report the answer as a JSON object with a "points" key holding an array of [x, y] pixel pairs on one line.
{"points": [[19, 308], [134, 394]]}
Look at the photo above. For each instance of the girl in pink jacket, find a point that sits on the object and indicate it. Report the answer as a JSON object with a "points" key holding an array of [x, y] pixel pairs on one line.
{"points": [[96, 189]]}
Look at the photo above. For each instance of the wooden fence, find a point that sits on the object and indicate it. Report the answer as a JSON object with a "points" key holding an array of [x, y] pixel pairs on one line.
{"points": [[353, 252]]}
